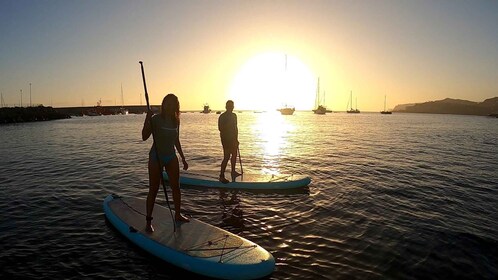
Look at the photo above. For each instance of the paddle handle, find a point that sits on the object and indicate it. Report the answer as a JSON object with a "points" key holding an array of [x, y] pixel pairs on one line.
{"points": [[145, 85]]}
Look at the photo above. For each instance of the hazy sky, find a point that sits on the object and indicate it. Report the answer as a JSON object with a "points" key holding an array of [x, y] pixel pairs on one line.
{"points": [[76, 53]]}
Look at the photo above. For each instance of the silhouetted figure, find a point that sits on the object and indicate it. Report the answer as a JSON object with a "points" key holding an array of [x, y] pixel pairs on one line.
{"points": [[229, 133], [166, 127]]}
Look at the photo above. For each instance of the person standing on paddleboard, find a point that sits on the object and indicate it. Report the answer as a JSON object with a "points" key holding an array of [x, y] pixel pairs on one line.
{"points": [[229, 133], [166, 126]]}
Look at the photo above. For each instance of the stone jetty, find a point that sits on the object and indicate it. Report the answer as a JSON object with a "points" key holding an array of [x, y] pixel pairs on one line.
{"points": [[29, 114]]}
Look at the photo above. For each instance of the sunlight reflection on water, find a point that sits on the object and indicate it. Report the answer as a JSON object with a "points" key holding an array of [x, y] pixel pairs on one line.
{"points": [[272, 129]]}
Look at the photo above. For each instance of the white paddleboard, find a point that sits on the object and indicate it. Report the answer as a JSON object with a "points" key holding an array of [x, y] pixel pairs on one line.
{"points": [[195, 246], [246, 181]]}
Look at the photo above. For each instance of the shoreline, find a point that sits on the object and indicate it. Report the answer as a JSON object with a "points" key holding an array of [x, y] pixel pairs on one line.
{"points": [[41, 113]]}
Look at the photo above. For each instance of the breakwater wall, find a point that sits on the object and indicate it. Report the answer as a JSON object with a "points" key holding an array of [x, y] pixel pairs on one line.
{"points": [[30, 114]]}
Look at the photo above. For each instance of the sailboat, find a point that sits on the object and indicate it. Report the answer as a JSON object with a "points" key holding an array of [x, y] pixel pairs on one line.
{"points": [[320, 109], [385, 111], [351, 110], [286, 110], [122, 110]]}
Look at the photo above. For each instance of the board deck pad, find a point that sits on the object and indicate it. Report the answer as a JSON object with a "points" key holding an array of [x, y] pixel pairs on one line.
{"points": [[246, 181], [195, 245]]}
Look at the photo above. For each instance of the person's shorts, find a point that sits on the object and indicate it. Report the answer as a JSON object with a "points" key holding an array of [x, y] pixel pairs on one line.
{"points": [[228, 143]]}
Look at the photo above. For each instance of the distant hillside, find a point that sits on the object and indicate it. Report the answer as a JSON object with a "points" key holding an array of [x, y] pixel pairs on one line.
{"points": [[402, 107], [452, 106]]}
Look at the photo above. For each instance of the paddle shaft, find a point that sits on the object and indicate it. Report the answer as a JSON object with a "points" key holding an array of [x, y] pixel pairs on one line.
{"points": [[240, 161], [155, 143]]}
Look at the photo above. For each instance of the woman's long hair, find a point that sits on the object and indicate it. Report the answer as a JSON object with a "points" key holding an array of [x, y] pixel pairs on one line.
{"points": [[170, 108]]}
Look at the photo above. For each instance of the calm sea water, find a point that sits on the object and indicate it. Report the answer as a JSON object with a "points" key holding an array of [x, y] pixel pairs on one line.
{"points": [[402, 196]]}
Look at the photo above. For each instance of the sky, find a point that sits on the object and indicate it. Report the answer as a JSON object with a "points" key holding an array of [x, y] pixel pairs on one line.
{"points": [[261, 54]]}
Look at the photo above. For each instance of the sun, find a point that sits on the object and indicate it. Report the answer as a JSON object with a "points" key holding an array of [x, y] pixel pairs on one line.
{"points": [[271, 80]]}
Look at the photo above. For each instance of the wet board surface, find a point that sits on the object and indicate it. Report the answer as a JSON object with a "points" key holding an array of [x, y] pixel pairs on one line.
{"points": [[195, 246], [245, 181]]}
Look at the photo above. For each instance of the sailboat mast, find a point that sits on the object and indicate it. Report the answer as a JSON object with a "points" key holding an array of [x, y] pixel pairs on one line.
{"points": [[285, 62], [351, 100], [122, 99], [384, 102]]}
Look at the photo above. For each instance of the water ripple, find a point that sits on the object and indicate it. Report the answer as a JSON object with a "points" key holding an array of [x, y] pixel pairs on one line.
{"points": [[406, 197]]}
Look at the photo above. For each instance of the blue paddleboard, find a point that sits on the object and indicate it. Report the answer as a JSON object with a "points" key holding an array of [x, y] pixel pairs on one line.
{"points": [[253, 181], [194, 246]]}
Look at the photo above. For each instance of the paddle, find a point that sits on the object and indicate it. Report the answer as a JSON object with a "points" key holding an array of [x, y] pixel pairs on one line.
{"points": [[240, 161], [155, 146]]}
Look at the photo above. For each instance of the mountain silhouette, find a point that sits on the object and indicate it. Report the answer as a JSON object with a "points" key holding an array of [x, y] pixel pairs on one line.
{"points": [[452, 106]]}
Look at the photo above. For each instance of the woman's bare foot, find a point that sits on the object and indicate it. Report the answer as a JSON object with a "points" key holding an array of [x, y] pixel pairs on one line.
{"points": [[181, 218], [235, 174], [149, 228], [148, 224], [223, 180]]}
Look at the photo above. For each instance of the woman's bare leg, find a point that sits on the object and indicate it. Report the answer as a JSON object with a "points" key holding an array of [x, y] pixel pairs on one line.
{"points": [[154, 180], [173, 170]]}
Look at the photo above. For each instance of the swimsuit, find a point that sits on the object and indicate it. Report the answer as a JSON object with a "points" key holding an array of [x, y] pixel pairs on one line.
{"points": [[165, 159], [165, 134]]}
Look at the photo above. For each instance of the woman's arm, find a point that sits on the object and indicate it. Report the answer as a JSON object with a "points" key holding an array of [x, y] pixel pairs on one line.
{"points": [[147, 129]]}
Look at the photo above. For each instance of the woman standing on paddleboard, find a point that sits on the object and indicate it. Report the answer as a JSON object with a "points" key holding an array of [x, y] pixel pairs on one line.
{"points": [[166, 127]]}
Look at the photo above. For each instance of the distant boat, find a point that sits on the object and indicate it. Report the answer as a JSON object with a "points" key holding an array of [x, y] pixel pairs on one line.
{"points": [[206, 109], [92, 112], [351, 110], [95, 111], [287, 110], [319, 109], [385, 112], [123, 111]]}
